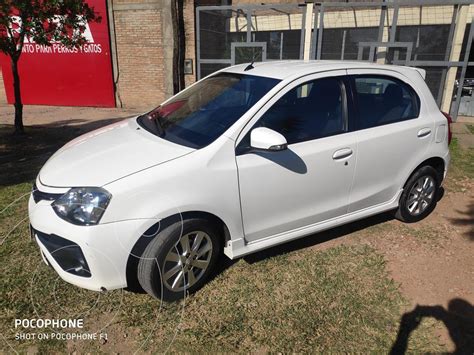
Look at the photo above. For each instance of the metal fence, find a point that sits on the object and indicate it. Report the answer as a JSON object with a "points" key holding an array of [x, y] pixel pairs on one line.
{"points": [[421, 33]]}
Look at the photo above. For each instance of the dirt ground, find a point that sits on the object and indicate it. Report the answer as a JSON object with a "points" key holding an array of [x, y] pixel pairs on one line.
{"points": [[432, 260]]}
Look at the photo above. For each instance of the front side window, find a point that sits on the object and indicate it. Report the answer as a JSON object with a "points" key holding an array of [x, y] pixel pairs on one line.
{"points": [[383, 100], [309, 111], [199, 115]]}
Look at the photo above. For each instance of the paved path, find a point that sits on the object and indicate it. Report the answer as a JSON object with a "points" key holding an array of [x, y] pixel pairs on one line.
{"points": [[461, 130], [55, 115]]}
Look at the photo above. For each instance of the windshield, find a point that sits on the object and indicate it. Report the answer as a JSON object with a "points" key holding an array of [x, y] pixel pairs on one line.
{"points": [[198, 116]]}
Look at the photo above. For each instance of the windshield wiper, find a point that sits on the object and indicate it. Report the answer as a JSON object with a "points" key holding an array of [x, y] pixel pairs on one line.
{"points": [[151, 121], [156, 118]]}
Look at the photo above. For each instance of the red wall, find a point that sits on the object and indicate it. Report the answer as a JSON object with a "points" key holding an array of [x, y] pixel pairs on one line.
{"points": [[50, 76]]}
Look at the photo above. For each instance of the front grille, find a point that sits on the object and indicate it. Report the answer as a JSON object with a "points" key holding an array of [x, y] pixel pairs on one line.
{"points": [[43, 196], [67, 254]]}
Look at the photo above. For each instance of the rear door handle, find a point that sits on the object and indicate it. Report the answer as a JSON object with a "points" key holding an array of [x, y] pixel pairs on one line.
{"points": [[424, 132], [342, 153]]}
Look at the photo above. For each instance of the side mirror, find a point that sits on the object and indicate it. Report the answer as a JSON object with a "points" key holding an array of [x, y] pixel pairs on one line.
{"points": [[267, 139]]}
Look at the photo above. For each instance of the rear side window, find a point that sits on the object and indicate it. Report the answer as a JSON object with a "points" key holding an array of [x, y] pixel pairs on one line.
{"points": [[382, 100]]}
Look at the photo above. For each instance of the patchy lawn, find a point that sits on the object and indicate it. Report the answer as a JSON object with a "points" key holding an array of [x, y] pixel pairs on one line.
{"points": [[295, 298], [339, 299], [470, 127], [462, 161]]}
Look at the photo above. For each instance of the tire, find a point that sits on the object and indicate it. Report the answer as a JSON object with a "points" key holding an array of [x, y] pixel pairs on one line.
{"points": [[164, 259], [419, 196]]}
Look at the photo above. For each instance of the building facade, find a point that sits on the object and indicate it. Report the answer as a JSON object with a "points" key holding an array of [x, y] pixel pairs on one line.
{"points": [[158, 47]]}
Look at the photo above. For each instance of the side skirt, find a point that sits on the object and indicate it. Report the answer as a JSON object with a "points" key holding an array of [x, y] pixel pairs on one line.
{"points": [[236, 248]]}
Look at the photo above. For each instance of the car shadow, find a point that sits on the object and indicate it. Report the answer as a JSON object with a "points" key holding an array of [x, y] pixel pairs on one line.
{"points": [[319, 238], [458, 319], [325, 236], [22, 156], [467, 220], [286, 159], [304, 242]]}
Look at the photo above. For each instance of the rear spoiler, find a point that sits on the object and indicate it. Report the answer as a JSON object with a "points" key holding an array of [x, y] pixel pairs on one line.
{"points": [[420, 71]]}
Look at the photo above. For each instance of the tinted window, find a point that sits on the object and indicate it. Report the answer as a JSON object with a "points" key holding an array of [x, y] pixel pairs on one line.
{"points": [[309, 111], [382, 100], [198, 116]]}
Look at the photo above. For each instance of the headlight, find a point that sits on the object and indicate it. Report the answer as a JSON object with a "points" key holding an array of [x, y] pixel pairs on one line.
{"points": [[82, 205]]}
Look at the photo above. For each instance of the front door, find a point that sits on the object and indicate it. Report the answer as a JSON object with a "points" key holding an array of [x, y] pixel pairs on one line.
{"points": [[309, 182]]}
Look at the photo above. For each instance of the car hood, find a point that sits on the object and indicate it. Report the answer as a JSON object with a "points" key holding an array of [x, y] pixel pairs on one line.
{"points": [[107, 154]]}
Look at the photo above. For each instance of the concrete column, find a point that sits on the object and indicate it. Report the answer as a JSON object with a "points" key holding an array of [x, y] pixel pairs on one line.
{"points": [[167, 29], [3, 94], [307, 30], [113, 51], [459, 31], [382, 51]]}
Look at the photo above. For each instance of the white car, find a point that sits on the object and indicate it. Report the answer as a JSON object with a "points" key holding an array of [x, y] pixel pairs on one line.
{"points": [[247, 158]]}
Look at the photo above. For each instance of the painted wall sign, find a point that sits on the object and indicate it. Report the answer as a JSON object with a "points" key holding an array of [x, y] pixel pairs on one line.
{"points": [[55, 75]]}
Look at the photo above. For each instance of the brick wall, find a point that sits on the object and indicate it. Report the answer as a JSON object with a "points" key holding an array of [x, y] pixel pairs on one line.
{"points": [[144, 47]]}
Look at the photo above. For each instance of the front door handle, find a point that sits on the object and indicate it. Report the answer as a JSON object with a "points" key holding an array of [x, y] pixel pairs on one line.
{"points": [[342, 153], [424, 132]]}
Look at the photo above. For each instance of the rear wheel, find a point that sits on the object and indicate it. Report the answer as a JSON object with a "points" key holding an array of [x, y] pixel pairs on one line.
{"points": [[180, 259], [419, 196]]}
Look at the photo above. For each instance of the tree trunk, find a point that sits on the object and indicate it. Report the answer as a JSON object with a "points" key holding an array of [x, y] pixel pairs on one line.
{"points": [[19, 129]]}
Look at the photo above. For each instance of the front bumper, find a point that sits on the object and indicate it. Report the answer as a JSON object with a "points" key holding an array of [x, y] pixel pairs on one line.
{"points": [[67, 254], [92, 257]]}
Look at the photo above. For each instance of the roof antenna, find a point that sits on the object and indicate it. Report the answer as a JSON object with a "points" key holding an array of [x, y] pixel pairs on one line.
{"points": [[250, 66]]}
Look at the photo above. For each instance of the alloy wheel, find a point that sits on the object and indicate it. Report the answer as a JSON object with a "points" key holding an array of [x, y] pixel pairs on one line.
{"points": [[421, 195], [187, 261]]}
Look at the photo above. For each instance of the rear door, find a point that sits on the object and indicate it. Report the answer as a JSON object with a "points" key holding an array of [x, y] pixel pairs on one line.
{"points": [[393, 133]]}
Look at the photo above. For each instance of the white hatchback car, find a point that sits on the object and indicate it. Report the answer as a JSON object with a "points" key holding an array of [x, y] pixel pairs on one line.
{"points": [[249, 157]]}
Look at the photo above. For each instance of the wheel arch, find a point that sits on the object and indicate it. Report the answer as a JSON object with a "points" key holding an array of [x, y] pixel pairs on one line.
{"points": [[152, 232], [437, 163]]}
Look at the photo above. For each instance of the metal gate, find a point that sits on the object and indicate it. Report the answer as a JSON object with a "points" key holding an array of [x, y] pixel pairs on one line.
{"points": [[421, 33], [228, 35]]}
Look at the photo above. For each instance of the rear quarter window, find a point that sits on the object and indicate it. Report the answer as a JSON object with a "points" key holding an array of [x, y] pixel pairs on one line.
{"points": [[383, 100]]}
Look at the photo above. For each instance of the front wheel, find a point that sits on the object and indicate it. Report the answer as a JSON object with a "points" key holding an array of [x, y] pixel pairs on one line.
{"points": [[180, 259], [419, 196]]}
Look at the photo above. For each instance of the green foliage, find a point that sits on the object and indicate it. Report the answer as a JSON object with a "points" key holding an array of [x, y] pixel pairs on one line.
{"points": [[44, 22]]}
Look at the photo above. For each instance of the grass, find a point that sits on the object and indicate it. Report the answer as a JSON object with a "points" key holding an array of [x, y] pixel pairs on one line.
{"points": [[470, 127], [462, 160], [462, 166], [431, 236], [340, 299]]}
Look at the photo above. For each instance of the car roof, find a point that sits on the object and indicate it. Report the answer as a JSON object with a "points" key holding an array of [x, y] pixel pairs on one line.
{"points": [[289, 68]]}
